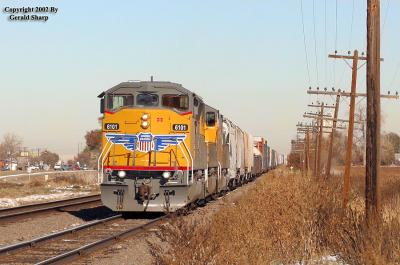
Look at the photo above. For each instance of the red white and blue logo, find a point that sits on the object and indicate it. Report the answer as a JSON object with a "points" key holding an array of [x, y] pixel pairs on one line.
{"points": [[145, 142]]}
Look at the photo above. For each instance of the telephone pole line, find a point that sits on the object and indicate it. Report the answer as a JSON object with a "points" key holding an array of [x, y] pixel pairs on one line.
{"points": [[330, 151], [373, 159], [349, 150], [321, 133], [308, 151], [316, 147], [314, 116], [346, 94]]}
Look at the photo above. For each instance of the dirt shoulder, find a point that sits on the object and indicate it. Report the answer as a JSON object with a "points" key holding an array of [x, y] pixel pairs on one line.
{"points": [[20, 191]]}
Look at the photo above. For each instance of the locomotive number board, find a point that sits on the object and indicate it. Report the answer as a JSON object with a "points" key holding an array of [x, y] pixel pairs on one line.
{"points": [[180, 127], [111, 126]]}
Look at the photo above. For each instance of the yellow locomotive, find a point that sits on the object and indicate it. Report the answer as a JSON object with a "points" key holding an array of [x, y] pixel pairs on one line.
{"points": [[164, 148]]}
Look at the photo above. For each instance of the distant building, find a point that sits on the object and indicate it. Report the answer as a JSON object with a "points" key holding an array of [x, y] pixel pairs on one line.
{"points": [[397, 158]]}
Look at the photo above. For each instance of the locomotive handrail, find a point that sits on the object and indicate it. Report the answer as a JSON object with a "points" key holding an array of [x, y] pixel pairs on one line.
{"points": [[102, 161], [155, 153], [219, 169], [191, 159], [176, 158], [187, 161], [98, 163]]}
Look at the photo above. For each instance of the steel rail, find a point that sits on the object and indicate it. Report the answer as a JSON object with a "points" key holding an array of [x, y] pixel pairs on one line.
{"points": [[9, 213], [30, 243], [76, 253]]}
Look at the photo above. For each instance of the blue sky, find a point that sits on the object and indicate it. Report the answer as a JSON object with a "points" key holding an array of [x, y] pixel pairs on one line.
{"points": [[245, 58]]}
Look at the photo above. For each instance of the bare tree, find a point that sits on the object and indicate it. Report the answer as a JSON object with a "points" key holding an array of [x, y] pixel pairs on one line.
{"points": [[47, 157], [93, 139], [390, 145], [10, 145]]}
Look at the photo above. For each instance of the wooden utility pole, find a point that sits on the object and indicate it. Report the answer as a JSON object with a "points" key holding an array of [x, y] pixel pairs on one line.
{"points": [[373, 160], [330, 151], [308, 150], [303, 156], [316, 147], [349, 150], [321, 133]]}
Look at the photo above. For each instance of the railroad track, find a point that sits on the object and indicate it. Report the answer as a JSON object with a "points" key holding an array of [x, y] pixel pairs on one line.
{"points": [[64, 246], [67, 245], [26, 210]]}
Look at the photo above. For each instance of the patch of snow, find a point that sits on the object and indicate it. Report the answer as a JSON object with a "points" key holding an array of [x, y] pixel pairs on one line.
{"points": [[325, 260], [329, 258], [8, 202]]}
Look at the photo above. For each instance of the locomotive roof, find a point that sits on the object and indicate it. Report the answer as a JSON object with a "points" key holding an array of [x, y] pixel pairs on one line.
{"points": [[150, 86]]}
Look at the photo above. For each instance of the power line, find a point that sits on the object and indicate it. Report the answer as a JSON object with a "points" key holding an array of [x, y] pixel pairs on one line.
{"points": [[395, 76], [336, 33], [315, 44], [326, 52], [386, 15], [304, 40], [336, 25], [351, 27]]}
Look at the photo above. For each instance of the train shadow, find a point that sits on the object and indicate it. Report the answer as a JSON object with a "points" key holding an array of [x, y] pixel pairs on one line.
{"points": [[101, 212], [91, 214], [141, 215]]}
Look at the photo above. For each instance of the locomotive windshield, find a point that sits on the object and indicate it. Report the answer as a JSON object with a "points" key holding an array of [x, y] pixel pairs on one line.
{"points": [[180, 102], [116, 101], [147, 99]]}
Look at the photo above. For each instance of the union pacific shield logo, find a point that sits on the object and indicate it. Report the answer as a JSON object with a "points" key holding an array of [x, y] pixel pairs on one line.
{"points": [[145, 142]]}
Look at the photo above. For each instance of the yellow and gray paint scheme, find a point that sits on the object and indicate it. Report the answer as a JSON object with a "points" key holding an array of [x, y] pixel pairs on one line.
{"points": [[164, 148]]}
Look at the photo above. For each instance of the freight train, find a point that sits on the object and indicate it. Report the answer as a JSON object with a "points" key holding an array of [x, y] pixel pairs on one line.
{"points": [[164, 148]]}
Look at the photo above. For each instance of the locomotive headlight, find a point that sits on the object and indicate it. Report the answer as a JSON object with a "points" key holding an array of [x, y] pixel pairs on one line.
{"points": [[166, 174], [145, 117], [145, 124], [121, 174]]}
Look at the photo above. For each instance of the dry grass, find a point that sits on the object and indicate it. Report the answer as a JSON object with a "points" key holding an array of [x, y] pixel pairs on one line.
{"points": [[284, 219], [11, 188]]}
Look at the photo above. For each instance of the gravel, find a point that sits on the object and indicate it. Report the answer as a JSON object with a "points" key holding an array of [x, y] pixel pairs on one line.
{"points": [[39, 225]]}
